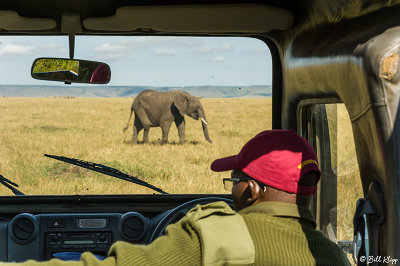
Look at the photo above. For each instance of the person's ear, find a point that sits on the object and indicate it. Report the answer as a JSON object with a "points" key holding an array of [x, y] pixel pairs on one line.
{"points": [[255, 192]]}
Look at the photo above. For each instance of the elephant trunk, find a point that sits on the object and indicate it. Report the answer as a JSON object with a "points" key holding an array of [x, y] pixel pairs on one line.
{"points": [[205, 129], [203, 118]]}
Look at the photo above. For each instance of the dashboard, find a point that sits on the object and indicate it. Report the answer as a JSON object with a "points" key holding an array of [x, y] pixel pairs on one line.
{"points": [[45, 236], [45, 227]]}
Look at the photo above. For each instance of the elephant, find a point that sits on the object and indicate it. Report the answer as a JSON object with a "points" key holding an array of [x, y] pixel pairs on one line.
{"points": [[160, 109]]}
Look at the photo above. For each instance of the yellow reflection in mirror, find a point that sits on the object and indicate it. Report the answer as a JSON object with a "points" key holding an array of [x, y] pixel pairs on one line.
{"points": [[53, 65]]}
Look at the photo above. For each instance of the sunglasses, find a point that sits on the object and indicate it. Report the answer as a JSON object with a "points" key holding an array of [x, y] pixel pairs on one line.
{"points": [[230, 182]]}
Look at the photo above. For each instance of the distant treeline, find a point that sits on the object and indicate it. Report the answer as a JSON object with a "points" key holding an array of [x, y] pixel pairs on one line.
{"points": [[255, 91]]}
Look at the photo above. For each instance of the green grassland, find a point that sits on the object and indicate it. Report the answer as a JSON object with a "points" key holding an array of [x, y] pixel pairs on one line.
{"points": [[91, 129]]}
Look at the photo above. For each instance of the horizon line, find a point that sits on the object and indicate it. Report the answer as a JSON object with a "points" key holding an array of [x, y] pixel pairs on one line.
{"points": [[106, 85]]}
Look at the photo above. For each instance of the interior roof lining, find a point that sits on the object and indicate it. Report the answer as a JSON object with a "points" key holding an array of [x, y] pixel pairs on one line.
{"points": [[254, 18], [178, 19], [10, 20]]}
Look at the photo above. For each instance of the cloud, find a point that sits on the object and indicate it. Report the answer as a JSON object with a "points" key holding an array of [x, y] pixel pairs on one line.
{"points": [[218, 59], [166, 51], [113, 50], [204, 49], [15, 49], [51, 45], [125, 47], [168, 40], [257, 50], [153, 44], [226, 47], [157, 41], [107, 47], [58, 49], [160, 45]]}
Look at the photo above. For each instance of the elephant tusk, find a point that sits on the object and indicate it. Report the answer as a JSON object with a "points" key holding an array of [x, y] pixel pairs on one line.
{"points": [[204, 121]]}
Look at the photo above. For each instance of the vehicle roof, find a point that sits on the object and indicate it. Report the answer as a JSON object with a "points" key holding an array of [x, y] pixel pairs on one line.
{"points": [[305, 14]]}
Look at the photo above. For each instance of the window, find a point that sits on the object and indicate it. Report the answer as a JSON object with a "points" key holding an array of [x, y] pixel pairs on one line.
{"points": [[230, 76], [328, 128]]}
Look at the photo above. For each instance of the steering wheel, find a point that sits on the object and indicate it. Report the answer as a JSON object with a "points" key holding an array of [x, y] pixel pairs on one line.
{"points": [[176, 214]]}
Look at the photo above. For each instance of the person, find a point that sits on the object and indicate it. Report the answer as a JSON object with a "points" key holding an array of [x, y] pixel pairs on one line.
{"points": [[101, 74], [272, 181]]}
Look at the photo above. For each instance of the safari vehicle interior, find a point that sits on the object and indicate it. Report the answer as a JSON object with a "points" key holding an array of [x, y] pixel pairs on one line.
{"points": [[335, 80]]}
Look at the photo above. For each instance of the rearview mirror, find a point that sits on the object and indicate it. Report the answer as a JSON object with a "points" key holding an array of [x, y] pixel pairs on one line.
{"points": [[71, 70]]}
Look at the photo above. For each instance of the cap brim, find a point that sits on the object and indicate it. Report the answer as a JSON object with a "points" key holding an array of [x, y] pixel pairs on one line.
{"points": [[225, 164]]}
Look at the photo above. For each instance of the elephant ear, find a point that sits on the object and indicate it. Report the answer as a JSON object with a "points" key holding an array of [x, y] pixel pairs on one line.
{"points": [[181, 103]]}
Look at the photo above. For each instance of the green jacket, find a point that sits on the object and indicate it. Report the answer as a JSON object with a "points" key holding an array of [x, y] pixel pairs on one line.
{"points": [[268, 233]]}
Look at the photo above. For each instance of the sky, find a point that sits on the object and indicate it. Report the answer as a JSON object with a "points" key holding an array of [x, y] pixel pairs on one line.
{"points": [[146, 61]]}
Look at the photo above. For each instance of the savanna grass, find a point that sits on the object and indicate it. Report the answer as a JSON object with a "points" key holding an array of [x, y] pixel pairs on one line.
{"points": [[91, 129]]}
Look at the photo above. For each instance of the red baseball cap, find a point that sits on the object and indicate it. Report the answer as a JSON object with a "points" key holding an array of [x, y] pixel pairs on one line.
{"points": [[276, 158]]}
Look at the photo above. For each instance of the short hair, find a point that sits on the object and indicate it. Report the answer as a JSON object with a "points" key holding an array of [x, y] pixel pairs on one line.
{"points": [[309, 179]]}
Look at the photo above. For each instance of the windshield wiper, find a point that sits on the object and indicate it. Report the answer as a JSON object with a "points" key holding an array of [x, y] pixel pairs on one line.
{"points": [[9, 184], [105, 170]]}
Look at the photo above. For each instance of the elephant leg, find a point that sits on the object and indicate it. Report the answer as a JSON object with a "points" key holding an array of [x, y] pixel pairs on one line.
{"points": [[137, 126], [146, 135], [165, 127], [180, 124], [145, 122]]}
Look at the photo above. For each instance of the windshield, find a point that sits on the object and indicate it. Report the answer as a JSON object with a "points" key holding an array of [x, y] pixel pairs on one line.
{"points": [[228, 95]]}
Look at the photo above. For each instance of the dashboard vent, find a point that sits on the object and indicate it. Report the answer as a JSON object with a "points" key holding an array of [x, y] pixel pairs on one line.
{"points": [[23, 228], [133, 226]]}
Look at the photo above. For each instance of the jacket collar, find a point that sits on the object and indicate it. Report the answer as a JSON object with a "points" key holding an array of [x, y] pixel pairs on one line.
{"points": [[282, 209]]}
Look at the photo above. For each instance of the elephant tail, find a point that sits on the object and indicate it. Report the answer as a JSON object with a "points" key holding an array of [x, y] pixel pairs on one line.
{"points": [[127, 124]]}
